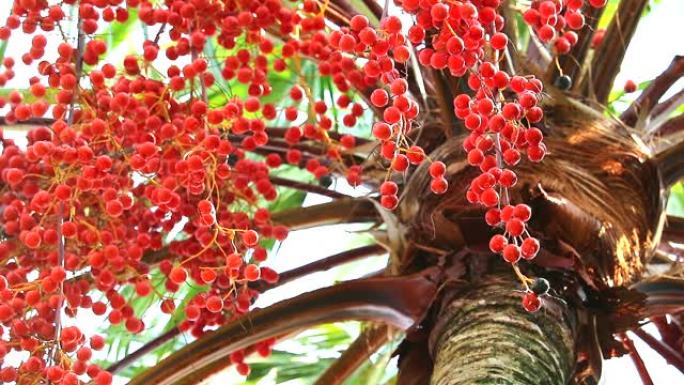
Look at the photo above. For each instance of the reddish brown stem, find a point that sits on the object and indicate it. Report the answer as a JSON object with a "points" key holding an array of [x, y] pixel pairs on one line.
{"points": [[672, 356], [674, 229], [444, 99], [670, 162], [307, 187], [609, 55], [669, 105], [322, 265], [330, 262], [645, 103], [670, 332], [347, 210], [636, 358], [671, 126], [144, 350], [279, 132]]}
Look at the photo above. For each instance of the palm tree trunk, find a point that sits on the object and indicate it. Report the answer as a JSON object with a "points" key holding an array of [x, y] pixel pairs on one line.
{"points": [[486, 337]]}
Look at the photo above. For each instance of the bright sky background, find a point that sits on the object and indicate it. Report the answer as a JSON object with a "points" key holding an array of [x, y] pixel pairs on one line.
{"points": [[657, 41]]}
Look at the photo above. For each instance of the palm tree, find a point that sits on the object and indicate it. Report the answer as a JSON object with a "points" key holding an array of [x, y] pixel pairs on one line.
{"points": [[445, 304]]}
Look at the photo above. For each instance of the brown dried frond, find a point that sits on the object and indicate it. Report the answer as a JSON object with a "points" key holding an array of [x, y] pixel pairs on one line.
{"points": [[596, 190]]}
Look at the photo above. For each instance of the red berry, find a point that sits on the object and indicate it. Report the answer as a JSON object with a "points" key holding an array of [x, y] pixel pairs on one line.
{"points": [[252, 272], [515, 227], [389, 201], [598, 3], [178, 275], [499, 41], [439, 185], [400, 163], [536, 153], [32, 239], [630, 86], [507, 178], [103, 378], [382, 131], [493, 217], [511, 157], [415, 154], [243, 369], [250, 238], [358, 22], [511, 253], [529, 248], [533, 136], [208, 275], [475, 157], [489, 197], [379, 98], [398, 86], [497, 243], [214, 304], [389, 188], [14, 176], [522, 212], [391, 115], [437, 169], [507, 213], [114, 208], [531, 302]]}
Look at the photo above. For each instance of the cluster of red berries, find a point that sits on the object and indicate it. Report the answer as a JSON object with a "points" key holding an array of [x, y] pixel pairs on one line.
{"points": [[554, 22], [262, 348], [466, 39], [140, 160]]}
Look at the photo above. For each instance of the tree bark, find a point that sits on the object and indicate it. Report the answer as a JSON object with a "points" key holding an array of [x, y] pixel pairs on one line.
{"points": [[486, 337]]}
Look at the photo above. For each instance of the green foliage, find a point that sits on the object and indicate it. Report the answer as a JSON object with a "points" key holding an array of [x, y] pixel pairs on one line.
{"points": [[612, 6], [116, 33], [619, 100], [675, 205], [304, 358], [26, 94], [3, 49], [362, 9]]}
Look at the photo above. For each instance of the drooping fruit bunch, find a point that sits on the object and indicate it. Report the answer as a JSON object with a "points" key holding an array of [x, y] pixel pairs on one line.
{"points": [[554, 22], [466, 39], [159, 164]]}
